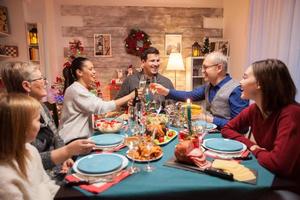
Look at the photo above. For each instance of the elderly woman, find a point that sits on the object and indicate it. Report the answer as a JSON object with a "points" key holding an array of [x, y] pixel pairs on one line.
{"points": [[80, 103], [27, 78], [273, 118]]}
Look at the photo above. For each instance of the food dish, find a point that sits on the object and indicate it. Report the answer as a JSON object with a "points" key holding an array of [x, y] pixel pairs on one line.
{"points": [[154, 119], [99, 163], [124, 165], [107, 140], [142, 154], [144, 160], [221, 145], [109, 125], [170, 135]]}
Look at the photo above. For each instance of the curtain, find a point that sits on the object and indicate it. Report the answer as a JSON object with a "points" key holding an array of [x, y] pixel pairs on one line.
{"points": [[274, 32]]}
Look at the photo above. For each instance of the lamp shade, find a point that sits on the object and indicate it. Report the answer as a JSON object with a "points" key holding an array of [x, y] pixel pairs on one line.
{"points": [[175, 62]]}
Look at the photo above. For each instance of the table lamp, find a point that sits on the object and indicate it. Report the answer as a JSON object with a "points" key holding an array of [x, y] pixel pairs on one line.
{"points": [[175, 63]]}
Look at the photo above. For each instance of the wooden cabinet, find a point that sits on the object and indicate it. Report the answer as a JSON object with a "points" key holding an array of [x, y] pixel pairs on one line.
{"points": [[194, 77]]}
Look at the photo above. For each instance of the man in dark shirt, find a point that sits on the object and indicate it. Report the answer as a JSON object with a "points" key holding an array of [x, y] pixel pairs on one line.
{"points": [[150, 65]]}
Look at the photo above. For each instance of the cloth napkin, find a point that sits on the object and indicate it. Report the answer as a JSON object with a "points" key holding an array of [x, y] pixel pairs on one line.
{"points": [[100, 186]]}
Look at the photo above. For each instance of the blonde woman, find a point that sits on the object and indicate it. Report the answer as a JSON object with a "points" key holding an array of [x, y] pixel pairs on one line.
{"points": [[21, 169], [27, 78]]}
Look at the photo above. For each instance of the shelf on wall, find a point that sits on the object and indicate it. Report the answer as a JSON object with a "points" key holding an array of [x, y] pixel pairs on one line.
{"points": [[5, 56], [2, 34]]}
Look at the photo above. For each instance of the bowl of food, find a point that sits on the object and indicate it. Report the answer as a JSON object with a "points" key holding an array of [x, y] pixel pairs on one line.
{"points": [[154, 119], [109, 125]]}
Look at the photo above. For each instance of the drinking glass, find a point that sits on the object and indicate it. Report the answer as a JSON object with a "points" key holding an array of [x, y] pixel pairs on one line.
{"points": [[133, 146], [142, 82], [148, 167]]}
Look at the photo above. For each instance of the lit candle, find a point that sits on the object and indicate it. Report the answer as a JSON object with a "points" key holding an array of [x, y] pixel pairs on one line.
{"points": [[189, 115]]}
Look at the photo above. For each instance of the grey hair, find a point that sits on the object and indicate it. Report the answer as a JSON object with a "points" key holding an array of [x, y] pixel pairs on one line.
{"points": [[14, 73], [218, 57]]}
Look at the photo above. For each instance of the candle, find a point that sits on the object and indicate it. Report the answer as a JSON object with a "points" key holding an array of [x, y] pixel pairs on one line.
{"points": [[189, 115]]}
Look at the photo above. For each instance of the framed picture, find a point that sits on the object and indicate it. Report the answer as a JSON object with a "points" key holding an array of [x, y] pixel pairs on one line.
{"points": [[220, 45], [102, 45], [173, 43], [3, 20]]}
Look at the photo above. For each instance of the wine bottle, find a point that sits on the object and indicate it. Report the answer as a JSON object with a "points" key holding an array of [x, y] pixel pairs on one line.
{"points": [[136, 99]]}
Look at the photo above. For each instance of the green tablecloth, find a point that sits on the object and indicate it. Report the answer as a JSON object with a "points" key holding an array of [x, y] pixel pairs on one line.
{"points": [[170, 183]]}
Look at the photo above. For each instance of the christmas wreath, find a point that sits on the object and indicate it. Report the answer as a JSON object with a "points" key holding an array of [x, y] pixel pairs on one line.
{"points": [[136, 42]]}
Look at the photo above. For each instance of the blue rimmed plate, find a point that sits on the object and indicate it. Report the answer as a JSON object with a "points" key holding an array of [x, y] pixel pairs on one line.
{"points": [[93, 171], [222, 145], [99, 163], [109, 139]]}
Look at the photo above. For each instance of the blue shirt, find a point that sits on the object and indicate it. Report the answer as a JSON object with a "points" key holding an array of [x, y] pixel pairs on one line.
{"points": [[235, 102]]}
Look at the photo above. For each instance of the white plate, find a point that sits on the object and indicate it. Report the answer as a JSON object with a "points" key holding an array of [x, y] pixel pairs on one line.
{"points": [[124, 165], [200, 123], [223, 152], [212, 154], [143, 161], [109, 146]]}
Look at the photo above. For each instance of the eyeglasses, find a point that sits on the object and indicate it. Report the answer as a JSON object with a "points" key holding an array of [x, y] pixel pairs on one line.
{"points": [[205, 67], [37, 79]]}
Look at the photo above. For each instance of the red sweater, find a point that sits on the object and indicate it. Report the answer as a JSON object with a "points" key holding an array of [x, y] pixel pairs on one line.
{"points": [[279, 134]]}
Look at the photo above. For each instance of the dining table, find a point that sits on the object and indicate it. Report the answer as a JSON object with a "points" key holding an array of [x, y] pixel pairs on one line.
{"points": [[171, 183]]}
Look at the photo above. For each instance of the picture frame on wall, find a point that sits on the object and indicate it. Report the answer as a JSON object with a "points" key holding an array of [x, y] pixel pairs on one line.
{"points": [[102, 45], [173, 43], [4, 28], [220, 45]]}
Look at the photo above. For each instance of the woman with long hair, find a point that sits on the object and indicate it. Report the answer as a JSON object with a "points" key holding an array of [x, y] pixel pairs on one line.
{"points": [[21, 169], [273, 118], [80, 103], [26, 78]]}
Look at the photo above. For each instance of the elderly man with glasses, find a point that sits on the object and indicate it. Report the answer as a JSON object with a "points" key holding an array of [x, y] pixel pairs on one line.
{"points": [[221, 93]]}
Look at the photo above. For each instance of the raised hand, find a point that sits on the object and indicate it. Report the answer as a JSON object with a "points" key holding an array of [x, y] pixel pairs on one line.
{"points": [[160, 89]]}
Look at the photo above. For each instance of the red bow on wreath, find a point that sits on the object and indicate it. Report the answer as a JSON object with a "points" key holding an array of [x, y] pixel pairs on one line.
{"points": [[136, 42]]}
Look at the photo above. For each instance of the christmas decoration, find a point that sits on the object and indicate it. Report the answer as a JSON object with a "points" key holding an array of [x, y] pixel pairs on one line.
{"points": [[136, 42], [206, 48]]}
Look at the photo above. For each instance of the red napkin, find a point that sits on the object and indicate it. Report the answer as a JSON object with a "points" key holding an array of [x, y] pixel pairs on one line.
{"points": [[99, 187]]}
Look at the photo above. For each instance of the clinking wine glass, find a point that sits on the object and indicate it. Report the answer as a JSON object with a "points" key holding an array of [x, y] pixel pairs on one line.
{"points": [[142, 82]]}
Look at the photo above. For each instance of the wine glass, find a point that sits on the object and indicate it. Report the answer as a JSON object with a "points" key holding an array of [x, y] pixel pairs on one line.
{"points": [[142, 82], [148, 167], [133, 146], [149, 145]]}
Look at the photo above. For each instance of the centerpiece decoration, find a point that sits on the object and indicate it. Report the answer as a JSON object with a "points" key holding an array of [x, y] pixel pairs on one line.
{"points": [[136, 42]]}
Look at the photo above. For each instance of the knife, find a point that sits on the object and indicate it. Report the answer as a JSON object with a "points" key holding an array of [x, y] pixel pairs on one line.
{"points": [[219, 173], [211, 171]]}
